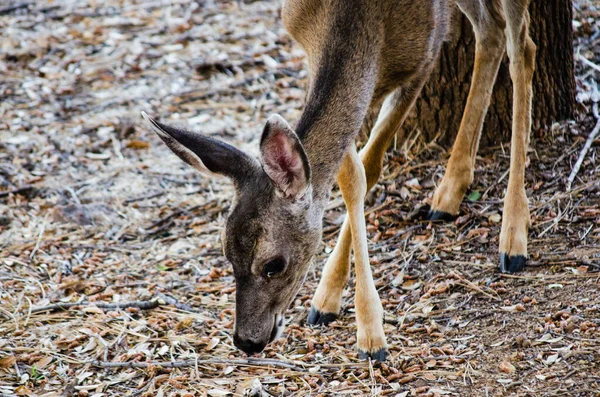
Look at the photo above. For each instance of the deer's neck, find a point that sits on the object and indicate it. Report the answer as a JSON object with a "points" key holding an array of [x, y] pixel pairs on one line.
{"points": [[343, 59], [337, 103]]}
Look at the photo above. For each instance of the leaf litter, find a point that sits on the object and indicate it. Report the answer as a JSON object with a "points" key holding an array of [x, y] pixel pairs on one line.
{"points": [[112, 281]]}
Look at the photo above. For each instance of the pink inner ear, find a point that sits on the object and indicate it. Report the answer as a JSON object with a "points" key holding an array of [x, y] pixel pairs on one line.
{"points": [[281, 157]]}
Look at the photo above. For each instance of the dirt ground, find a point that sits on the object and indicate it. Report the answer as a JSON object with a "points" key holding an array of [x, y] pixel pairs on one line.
{"points": [[96, 214]]}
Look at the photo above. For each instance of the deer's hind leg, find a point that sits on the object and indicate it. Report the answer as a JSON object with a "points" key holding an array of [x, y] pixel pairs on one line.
{"points": [[515, 218], [488, 26]]}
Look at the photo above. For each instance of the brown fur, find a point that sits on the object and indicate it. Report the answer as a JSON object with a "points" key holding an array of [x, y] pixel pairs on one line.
{"points": [[360, 53], [489, 24]]}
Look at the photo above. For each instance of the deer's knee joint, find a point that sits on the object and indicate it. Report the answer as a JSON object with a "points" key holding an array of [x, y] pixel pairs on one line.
{"points": [[352, 179], [492, 39], [522, 60], [372, 171], [372, 177], [521, 52], [529, 52], [353, 186]]}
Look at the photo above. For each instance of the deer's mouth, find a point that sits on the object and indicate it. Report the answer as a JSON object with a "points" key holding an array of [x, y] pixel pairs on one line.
{"points": [[277, 328]]}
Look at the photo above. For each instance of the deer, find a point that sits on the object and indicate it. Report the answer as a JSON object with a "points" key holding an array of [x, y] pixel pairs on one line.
{"points": [[360, 54]]}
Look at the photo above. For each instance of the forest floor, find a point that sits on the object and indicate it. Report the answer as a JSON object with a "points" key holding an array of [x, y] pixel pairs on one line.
{"points": [[96, 212]]}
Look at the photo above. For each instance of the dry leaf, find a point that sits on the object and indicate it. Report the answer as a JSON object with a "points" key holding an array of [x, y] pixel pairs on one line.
{"points": [[514, 308], [435, 391], [495, 218], [23, 391], [213, 342], [413, 183], [218, 393], [547, 338], [136, 144], [43, 362], [185, 323], [93, 309], [7, 362], [507, 367], [551, 359], [411, 285], [399, 279]]}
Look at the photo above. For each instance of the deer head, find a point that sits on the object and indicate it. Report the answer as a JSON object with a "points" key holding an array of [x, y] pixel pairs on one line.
{"points": [[273, 228]]}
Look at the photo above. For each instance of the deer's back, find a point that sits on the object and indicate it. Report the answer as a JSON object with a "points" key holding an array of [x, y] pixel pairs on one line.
{"points": [[403, 34]]}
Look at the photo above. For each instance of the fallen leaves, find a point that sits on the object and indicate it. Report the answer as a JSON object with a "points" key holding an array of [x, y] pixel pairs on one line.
{"points": [[128, 222]]}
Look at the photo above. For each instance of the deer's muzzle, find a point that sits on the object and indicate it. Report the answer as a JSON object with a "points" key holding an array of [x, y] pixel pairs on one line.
{"points": [[252, 344]]}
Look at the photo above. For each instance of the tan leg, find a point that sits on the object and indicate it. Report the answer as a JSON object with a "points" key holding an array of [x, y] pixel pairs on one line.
{"points": [[327, 300], [490, 44], [515, 222], [369, 312]]}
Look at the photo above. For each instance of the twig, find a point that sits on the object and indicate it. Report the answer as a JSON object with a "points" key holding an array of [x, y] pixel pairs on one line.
{"points": [[555, 221], [39, 239], [513, 384], [484, 195], [149, 196], [8, 315], [586, 61], [220, 91], [586, 147], [470, 285], [559, 196], [251, 362], [174, 302], [166, 218], [158, 300], [9, 9], [22, 189]]}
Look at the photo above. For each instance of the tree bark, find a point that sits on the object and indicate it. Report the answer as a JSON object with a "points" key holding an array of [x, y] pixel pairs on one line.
{"points": [[438, 112]]}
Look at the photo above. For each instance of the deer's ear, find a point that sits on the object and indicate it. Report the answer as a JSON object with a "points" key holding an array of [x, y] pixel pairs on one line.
{"points": [[209, 156], [284, 159]]}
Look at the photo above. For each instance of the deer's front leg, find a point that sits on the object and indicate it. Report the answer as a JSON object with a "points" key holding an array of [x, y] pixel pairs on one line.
{"points": [[369, 312], [327, 302]]}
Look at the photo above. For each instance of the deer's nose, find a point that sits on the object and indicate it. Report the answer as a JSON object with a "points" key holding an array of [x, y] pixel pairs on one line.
{"points": [[248, 346]]}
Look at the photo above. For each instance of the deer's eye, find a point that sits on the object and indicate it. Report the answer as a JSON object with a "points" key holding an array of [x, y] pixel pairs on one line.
{"points": [[273, 267]]}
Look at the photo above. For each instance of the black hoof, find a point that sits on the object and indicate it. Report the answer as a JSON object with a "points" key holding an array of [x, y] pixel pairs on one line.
{"points": [[512, 264], [378, 355], [315, 317], [440, 216]]}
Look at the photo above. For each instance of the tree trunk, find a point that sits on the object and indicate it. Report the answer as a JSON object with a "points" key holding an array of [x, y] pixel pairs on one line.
{"points": [[438, 111]]}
